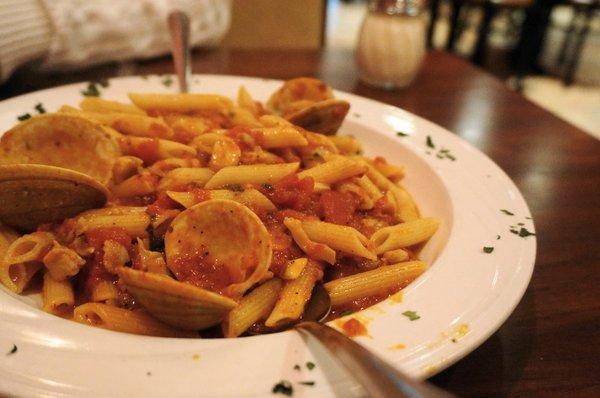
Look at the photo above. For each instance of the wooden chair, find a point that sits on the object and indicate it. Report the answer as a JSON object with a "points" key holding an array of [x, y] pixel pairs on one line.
{"points": [[490, 9]]}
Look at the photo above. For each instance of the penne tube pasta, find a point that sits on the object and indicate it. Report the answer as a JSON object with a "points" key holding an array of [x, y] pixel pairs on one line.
{"points": [[137, 185], [336, 169], [16, 276], [274, 121], [133, 124], [122, 320], [281, 137], [395, 256], [294, 296], [180, 103], [125, 167], [251, 174], [253, 307], [243, 117], [157, 149], [404, 234], [134, 220], [103, 290], [62, 262], [346, 144], [27, 248], [318, 251], [294, 268], [57, 296], [244, 100], [320, 187], [184, 176], [393, 173], [251, 198], [385, 280], [99, 105], [339, 237]]}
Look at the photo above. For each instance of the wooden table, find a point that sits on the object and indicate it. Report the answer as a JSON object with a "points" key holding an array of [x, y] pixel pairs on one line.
{"points": [[550, 345]]}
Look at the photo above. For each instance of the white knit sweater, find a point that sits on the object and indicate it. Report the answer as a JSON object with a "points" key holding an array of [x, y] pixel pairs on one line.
{"points": [[67, 34]]}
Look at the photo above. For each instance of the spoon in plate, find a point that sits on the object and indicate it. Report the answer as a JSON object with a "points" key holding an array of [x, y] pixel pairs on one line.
{"points": [[378, 378]]}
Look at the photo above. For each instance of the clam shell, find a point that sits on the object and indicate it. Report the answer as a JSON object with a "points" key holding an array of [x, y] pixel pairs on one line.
{"points": [[176, 303], [229, 235], [35, 194], [323, 117], [63, 140]]}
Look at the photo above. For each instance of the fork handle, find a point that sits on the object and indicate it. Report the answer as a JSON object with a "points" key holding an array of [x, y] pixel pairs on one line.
{"points": [[376, 376], [179, 27]]}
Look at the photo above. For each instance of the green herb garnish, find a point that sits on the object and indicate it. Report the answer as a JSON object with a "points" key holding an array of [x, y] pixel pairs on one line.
{"points": [[91, 90], [13, 350], [412, 315], [267, 186], [310, 365], [307, 383], [429, 142], [507, 212], [401, 134], [488, 249], [167, 81], [523, 233], [40, 108], [346, 312], [283, 387], [24, 116], [297, 367], [497, 237]]}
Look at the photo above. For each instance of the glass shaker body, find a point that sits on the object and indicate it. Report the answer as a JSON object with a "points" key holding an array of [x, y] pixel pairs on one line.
{"points": [[391, 43]]}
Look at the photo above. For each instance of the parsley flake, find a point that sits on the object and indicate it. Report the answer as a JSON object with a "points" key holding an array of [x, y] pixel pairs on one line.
{"points": [[91, 90], [297, 367], [429, 142], [24, 116], [508, 213], [401, 134], [357, 115], [167, 81], [412, 315], [497, 237], [307, 383], [523, 233], [40, 108], [283, 387], [346, 312], [310, 365], [13, 350], [488, 249]]}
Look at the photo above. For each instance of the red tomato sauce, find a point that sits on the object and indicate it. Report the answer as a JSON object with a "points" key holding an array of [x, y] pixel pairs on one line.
{"points": [[353, 327], [162, 203], [338, 207], [236, 133], [195, 268], [292, 192]]}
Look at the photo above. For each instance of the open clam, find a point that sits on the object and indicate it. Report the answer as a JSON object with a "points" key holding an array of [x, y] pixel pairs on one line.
{"points": [[176, 303], [310, 104], [61, 140], [33, 194], [219, 245]]}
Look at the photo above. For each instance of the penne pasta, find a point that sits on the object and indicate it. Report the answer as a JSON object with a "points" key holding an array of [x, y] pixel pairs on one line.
{"points": [[184, 176], [181, 103], [379, 281], [62, 262], [294, 296], [100, 105], [339, 237], [404, 235], [251, 174], [317, 251], [122, 320], [134, 220], [281, 137], [253, 307], [58, 296], [336, 169]]}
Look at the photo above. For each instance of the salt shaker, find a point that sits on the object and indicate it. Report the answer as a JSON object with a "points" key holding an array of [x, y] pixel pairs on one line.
{"points": [[391, 43]]}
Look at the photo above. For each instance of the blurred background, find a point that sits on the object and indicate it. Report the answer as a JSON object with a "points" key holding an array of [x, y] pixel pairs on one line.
{"points": [[549, 50]]}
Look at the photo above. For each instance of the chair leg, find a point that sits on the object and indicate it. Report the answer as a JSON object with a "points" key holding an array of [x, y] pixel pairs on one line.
{"points": [[434, 10], [564, 49], [454, 16], [579, 41], [479, 53]]}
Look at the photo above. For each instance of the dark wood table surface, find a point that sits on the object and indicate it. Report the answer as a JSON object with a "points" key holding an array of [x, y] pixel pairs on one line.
{"points": [[550, 345]]}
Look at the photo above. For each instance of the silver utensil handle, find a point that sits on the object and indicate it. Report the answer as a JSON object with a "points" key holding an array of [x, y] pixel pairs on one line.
{"points": [[376, 376], [179, 27]]}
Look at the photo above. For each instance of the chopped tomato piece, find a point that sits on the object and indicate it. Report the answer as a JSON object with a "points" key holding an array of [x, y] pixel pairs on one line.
{"points": [[338, 207]]}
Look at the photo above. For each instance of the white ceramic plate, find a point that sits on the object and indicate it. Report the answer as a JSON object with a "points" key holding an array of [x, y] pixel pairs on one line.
{"points": [[461, 300]]}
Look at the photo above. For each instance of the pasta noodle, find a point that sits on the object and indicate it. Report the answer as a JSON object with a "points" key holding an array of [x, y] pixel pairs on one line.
{"points": [[222, 217]]}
